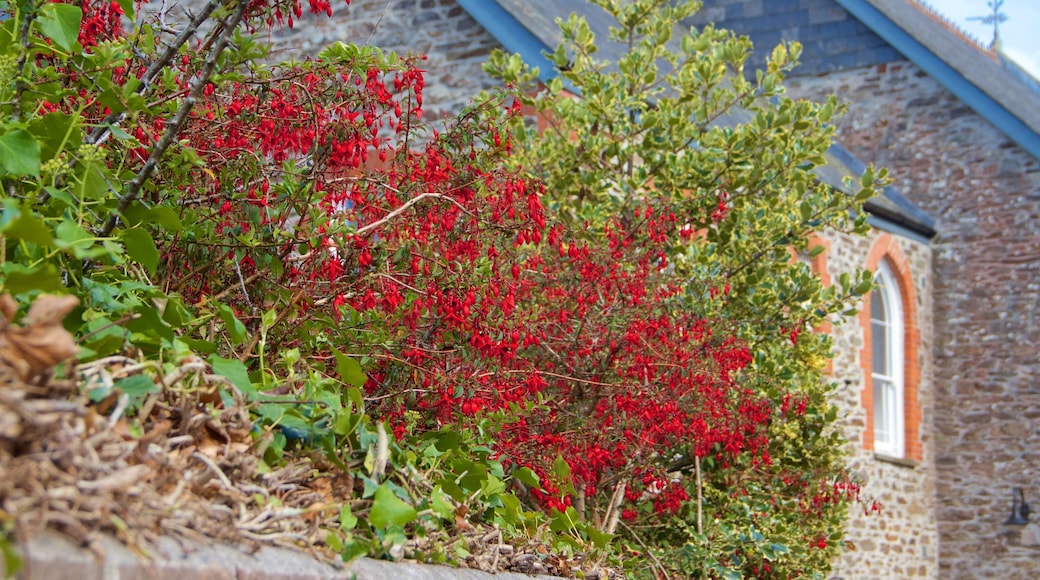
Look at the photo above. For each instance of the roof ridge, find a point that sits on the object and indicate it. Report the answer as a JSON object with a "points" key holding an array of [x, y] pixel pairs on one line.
{"points": [[924, 7]]}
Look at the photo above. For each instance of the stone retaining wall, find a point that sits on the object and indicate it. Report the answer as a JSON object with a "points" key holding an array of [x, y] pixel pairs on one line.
{"points": [[51, 556]]}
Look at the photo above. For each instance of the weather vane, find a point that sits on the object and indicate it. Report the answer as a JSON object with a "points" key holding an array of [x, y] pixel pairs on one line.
{"points": [[995, 19]]}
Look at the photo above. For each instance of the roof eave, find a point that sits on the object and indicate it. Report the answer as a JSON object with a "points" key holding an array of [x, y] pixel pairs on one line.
{"points": [[934, 65], [511, 34]]}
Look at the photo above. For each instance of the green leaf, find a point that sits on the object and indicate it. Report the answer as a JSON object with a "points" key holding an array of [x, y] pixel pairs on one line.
{"points": [[599, 538], [30, 228], [561, 469], [60, 23], [528, 477], [353, 550], [235, 372], [20, 151], [12, 559], [441, 503], [492, 486], [268, 319], [56, 131], [236, 330], [140, 246], [149, 324], [388, 509], [347, 520], [19, 279], [166, 217], [137, 387], [71, 235], [349, 369]]}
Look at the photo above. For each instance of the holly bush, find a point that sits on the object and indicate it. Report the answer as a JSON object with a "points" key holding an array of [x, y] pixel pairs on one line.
{"points": [[610, 331]]}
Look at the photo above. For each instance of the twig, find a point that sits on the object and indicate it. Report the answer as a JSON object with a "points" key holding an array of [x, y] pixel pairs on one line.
{"points": [[382, 452], [23, 57], [613, 515], [101, 132], [174, 127], [117, 413], [700, 494], [657, 563], [404, 207], [215, 470]]}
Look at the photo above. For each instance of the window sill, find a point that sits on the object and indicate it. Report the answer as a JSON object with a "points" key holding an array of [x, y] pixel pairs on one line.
{"points": [[900, 461]]}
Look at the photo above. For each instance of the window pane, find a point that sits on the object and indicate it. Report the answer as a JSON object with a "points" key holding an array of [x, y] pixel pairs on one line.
{"points": [[879, 338], [877, 304], [883, 411]]}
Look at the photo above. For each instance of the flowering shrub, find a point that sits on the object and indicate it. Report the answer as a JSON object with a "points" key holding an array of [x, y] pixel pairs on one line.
{"points": [[628, 338], [699, 181]]}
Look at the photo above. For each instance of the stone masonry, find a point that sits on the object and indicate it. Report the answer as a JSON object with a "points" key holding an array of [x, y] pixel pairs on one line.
{"points": [[455, 45], [901, 541], [984, 192]]}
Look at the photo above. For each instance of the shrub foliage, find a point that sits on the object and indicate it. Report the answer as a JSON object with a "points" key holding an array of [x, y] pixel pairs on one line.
{"points": [[601, 323]]}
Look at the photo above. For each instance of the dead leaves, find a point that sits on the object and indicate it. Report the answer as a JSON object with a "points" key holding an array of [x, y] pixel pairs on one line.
{"points": [[41, 342]]}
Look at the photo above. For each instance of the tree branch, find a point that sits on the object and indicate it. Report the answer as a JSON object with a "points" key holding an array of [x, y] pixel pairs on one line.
{"points": [[173, 129]]}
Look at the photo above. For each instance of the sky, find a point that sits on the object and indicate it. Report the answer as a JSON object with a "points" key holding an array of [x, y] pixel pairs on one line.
{"points": [[1020, 34]]}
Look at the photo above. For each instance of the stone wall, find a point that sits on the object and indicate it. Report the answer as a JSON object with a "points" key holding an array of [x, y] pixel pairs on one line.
{"points": [[984, 192], [901, 541], [455, 45]]}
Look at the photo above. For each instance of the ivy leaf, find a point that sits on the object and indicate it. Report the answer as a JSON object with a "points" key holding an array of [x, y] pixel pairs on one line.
{"points": [[19, 279], [137, 387], [60, 23], [347, 520], [30, 228], [20, 151], [388, 509], [140, 246], [235, 372], [527, 477], [441, 503], [236, 330], [349, 369]]}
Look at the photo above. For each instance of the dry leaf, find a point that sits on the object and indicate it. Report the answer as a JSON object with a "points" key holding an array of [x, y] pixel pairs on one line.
{"points": [[41, 342], [8, 307]]}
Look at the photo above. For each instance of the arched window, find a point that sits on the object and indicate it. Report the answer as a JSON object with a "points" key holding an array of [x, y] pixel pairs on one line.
{"points": [[890, 356], [886, 332]]}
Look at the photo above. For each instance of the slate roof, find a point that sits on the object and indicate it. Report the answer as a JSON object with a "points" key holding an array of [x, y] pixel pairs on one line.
{"points": [[974, 75], [528, 27], [832, 39]]}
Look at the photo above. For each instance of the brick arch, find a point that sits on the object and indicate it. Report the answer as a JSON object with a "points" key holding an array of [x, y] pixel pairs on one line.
{"points": [[886, 248]]}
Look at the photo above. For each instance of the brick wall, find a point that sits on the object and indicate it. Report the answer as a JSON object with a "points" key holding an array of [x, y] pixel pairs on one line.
{"points": [[901, 541], [985, 194]]}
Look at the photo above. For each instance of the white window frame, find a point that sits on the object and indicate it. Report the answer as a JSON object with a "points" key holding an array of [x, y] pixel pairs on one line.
{"points": [[889, 385]]}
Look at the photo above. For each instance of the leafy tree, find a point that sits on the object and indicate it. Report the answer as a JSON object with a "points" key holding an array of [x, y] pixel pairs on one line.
{"points": [[673, 149]]}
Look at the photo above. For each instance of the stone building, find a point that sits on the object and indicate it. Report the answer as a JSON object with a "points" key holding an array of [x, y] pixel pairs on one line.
{"points": [[940, 372]]}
